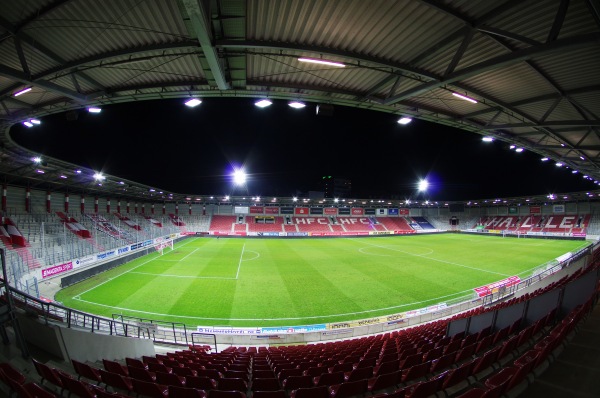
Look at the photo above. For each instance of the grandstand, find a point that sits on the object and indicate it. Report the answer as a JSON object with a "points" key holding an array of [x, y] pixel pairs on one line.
{"points": [[532, 70]]}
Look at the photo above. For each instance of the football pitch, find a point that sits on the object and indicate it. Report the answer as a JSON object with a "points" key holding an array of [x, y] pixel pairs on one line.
{"points": [[286, 282]]}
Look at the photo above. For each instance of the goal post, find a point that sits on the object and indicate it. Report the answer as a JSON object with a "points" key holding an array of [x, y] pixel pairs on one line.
{"points": [[162, 245]]}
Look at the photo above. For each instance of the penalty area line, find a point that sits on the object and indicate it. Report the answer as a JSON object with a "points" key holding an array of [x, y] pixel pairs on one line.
{"points": [[123, 273]]}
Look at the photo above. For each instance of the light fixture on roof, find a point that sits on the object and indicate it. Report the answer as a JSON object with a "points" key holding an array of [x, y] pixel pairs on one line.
{"points": [[512, 146], [94, 109], [35, 121], [519, 150], [192, 102], [559, 164], [64, 177], [461, 96], [297, 104], [25, 90], [99, 177], [545, 159], [404, 120], [322, 62], [487, 139], [574, 172], [36, 159], [28, 123], [582, 158], [263, 103]]}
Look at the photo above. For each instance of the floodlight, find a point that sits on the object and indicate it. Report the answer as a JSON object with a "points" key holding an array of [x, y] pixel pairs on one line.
{"points": [[487, 139], [322, 62], [94, 109], [99, 176], [35, 121], [519, 150], [40, 171], [263, 103], [239, 177], [28, 124], [25, 90], [227, 197], [559, 164], [574, 172], [512, 146], [545, 159], [64, 177], [423, 184], [297, 104], [37, 159], [582, 158], [465, 97], [295, 199], [404, 120], [192, 102], [77, 171]]}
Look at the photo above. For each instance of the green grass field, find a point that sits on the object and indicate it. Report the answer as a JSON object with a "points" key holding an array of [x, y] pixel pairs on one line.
{"points": [[279, 282]]}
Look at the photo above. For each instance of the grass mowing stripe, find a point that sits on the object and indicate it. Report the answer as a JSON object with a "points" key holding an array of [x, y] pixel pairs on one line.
{"points": [[182, 276], [438, 260], [302, 281]]}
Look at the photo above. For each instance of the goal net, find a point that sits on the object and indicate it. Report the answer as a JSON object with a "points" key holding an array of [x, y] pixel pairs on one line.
{"points": [[160, 247]]}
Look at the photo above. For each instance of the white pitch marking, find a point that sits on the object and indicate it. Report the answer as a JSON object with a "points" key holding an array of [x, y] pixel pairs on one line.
{"points": [[441, 261], [240, 262], [129, 270], [435, 299]]}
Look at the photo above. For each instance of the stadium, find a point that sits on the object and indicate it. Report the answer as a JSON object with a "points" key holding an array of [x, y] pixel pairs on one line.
{"points": [[113, 286]]}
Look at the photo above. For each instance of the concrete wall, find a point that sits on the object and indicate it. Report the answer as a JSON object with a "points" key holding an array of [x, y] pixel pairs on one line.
{"points": [[66, 344]]}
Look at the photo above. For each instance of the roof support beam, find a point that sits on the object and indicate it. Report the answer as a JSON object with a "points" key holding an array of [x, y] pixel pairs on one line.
{"points": [[559, 19], [559, 123], [460, 52], [501, 61], [18, 75], [277, 45], [200, 18], [25, 38]]}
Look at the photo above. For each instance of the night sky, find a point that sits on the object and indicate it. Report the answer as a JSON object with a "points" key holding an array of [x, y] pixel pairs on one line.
{"points": [[285, 151]]}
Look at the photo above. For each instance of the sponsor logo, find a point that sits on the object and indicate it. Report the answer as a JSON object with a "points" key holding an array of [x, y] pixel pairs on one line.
{"points": [[104, 255], [339, 326], [57, 269], [123, 250]]}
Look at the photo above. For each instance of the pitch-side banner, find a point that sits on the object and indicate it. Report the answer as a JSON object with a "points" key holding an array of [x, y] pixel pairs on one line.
{"points": [[271, 210], [330, 211], [358, 211], [392, 212], [256, 210], [404, 212]]}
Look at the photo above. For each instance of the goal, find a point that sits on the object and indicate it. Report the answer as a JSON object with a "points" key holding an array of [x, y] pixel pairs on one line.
{"points": [[162, 245]]}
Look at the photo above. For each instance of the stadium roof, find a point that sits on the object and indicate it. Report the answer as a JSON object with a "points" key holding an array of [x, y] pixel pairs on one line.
{"points": [[532, 66]]}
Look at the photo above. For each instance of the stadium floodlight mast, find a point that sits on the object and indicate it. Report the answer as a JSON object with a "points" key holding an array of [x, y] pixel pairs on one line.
{"points": [[423, 185], [239, 177]]}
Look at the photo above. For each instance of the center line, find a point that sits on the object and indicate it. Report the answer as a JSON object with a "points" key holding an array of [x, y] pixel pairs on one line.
{"points": [[240, 262]]}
